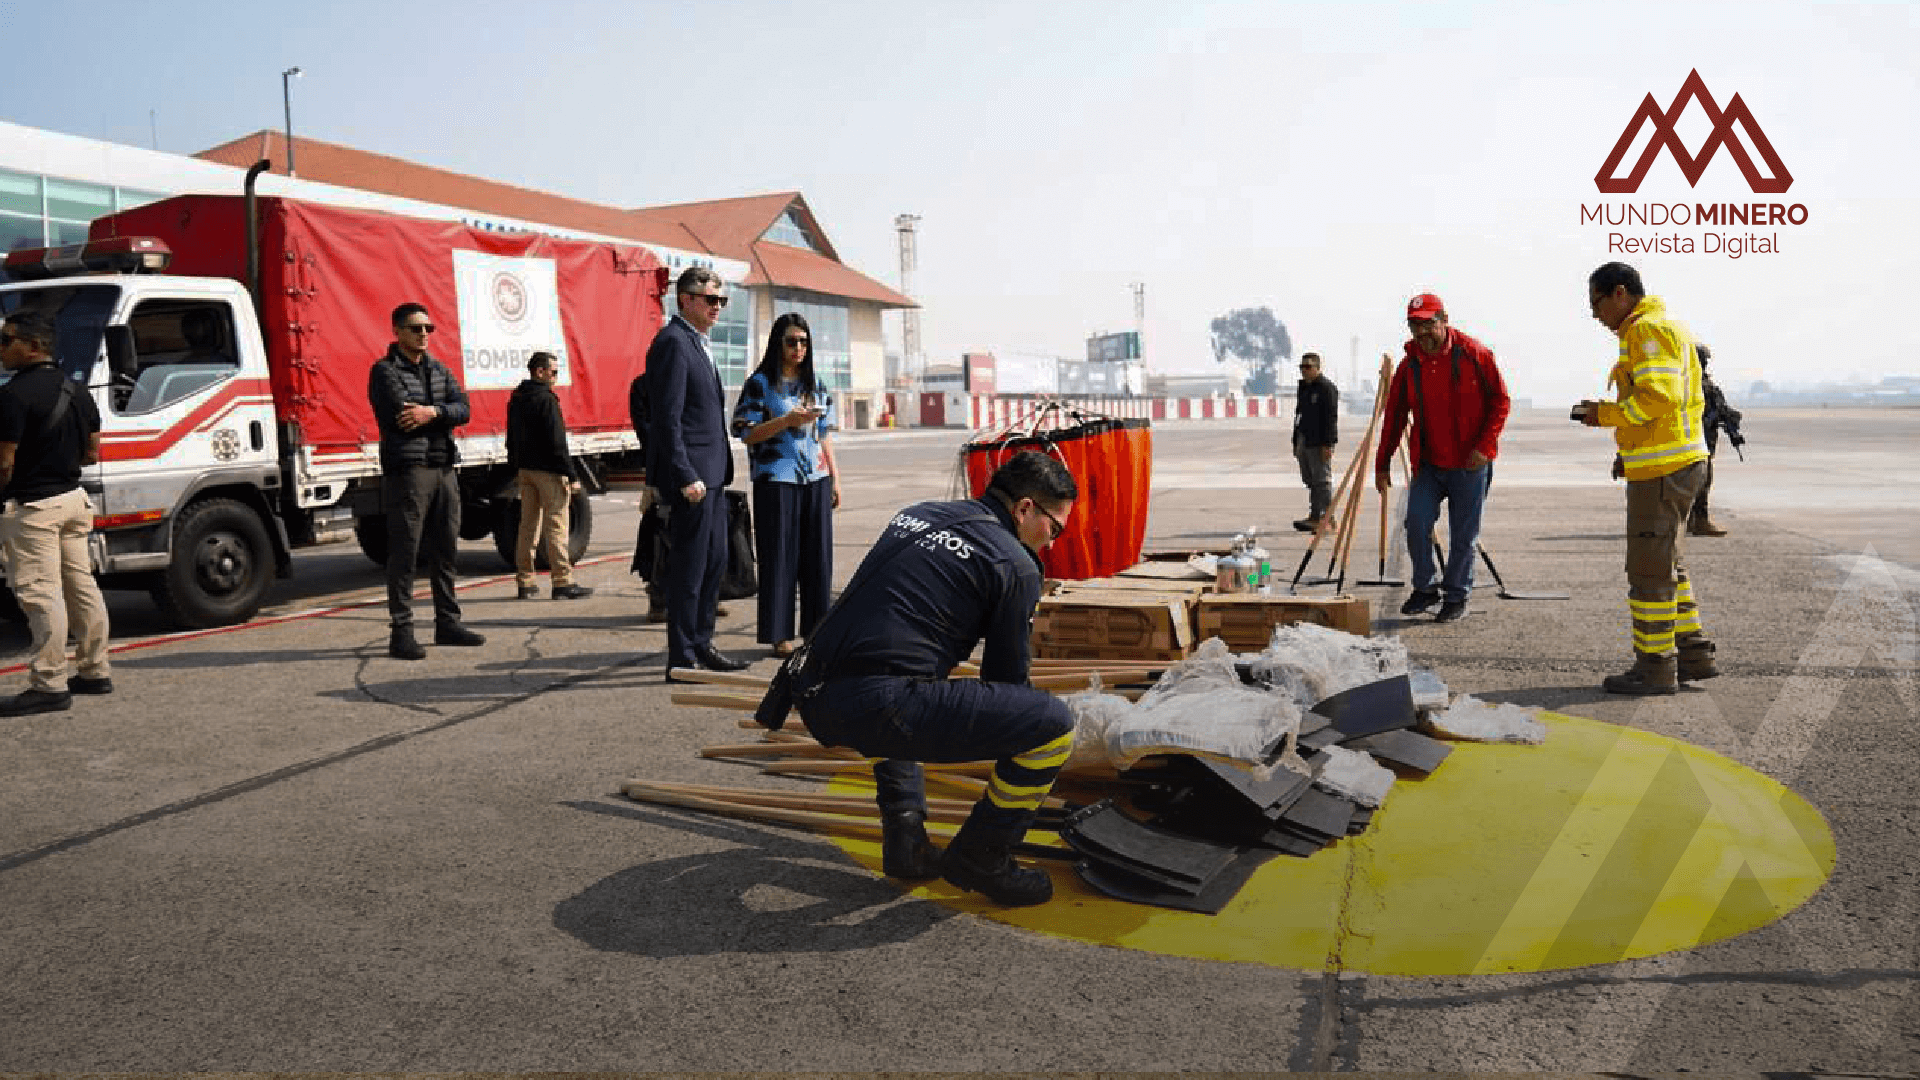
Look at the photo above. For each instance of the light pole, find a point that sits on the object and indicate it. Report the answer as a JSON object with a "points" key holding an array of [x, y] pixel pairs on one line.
{"points": [[286, 101]]}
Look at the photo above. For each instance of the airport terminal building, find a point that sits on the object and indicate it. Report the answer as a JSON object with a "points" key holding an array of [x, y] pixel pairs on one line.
{"points": [[770, 248]]}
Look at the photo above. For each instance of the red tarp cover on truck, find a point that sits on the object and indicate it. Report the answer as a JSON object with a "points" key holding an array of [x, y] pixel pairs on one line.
{"points": [[331, 276]]}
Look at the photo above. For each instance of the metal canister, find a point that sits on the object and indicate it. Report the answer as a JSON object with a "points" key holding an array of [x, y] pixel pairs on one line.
{"points": [[1262, 561], [1235, 569]]}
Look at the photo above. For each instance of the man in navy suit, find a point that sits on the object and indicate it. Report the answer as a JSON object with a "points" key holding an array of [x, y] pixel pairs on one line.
{"points": [[690, 462]]}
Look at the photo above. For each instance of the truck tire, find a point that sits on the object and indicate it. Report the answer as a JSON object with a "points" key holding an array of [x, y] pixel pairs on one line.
{"points": [[506, 531], [222, 564], [371, 532]]}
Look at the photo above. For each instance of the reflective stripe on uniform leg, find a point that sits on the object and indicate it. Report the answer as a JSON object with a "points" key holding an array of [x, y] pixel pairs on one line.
{"points": [[1048, 755], [1022, 781], [1687, 613], [1011, 797], [1652, 643], [1653, 627]]}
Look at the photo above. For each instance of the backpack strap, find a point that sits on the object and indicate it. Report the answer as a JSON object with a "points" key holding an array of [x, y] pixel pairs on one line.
{"points": [[62, 404]]}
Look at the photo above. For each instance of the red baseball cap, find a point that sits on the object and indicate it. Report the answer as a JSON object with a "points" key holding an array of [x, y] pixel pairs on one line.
{"points": [[1425, 306]]}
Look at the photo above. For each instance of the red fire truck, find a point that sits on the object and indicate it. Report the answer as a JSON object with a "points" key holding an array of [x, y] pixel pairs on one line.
{"points": [[227, 343]]}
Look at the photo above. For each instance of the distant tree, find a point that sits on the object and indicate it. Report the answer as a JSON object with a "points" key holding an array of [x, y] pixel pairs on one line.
{"points": [[1258, 337]]}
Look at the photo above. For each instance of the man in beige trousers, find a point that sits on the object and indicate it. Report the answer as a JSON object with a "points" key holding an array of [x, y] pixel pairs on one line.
{"points": [[537, 446], [49, 432]]}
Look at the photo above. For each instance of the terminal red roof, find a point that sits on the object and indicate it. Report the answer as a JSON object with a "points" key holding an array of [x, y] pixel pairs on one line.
{"points": [[727, 227]]}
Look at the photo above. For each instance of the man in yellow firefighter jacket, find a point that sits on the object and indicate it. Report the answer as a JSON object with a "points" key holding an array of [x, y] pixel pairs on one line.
{"points": [[1657, 423]]}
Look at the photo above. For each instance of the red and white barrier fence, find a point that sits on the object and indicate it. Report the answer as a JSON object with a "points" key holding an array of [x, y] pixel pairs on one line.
{"points": [[996, 411]]}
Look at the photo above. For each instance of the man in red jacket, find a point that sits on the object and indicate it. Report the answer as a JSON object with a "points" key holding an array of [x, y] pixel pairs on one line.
{"points": [[1450, 387]]}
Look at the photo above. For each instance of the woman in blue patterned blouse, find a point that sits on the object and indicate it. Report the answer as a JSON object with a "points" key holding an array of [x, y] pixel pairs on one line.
{"points": [[787, 418]]}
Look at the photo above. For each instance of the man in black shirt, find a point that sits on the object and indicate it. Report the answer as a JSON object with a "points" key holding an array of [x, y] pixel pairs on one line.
{"points": [[1316, 428], [49, 431], [873, 676], [537, 447], [418, 403]]}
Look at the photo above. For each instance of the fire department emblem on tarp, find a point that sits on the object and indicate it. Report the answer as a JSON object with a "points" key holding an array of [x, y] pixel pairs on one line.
{"points": [[509, 307], [510, 301]]}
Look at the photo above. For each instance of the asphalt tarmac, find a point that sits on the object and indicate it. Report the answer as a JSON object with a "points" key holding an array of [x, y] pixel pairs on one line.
{"points": [[274, 848]]}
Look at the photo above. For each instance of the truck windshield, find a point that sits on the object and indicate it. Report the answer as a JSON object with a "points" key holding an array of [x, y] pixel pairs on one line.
{"points": [[79, 314]]}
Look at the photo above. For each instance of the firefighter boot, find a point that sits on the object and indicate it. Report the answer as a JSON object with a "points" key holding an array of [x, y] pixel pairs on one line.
{"points": [[981, 860], [905, 852], [1650, 674], [1702, 524], [1696, 658]]}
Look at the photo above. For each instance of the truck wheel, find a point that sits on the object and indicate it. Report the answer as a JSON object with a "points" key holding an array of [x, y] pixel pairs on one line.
{"points": [[222, 564], [506, 531], [371, 532]]}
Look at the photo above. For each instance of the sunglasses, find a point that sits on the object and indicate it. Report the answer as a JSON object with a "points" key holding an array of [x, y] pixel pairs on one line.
{"points": [[714, 299], [1053, 523], [800, 341], [420, 327]]}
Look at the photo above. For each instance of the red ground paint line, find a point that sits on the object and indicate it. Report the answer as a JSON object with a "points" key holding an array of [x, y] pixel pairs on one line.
{"points": [[275, 620]]}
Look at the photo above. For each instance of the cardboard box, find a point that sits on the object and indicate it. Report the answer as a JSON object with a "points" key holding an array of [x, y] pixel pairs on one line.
{"points": [[1245, 621], [1113, 624]]}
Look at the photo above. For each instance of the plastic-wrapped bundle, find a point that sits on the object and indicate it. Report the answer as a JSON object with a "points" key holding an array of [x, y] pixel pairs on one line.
{"points": [[1313, 663], [1473, 720], [1112, 462], [1198, 707], [1355, 775]]}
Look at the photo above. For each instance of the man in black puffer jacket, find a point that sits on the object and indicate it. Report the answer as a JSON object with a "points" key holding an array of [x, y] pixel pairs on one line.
{"points": [[418, 403], [537, 446]]}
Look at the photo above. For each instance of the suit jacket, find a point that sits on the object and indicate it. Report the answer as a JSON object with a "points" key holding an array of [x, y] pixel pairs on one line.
{"points": [[687, 431]]}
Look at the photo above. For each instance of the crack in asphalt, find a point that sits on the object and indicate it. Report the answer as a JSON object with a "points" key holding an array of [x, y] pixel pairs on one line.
{"points": [[1846, 979], [360, 683], [17, 859]]}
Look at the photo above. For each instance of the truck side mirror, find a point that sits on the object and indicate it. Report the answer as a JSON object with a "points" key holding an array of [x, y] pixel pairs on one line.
{"points": [[123, 360]]}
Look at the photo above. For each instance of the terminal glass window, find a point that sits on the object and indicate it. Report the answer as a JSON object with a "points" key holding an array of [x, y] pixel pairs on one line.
{"points": [[788, 231], [128, 198], [72, 206], [78, 202], [827, 321], [20, 194], [17, 231], [66, 232]]}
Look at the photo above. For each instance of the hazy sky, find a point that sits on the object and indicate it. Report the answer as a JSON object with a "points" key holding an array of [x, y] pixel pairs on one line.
{"points": [[1324, 160]]}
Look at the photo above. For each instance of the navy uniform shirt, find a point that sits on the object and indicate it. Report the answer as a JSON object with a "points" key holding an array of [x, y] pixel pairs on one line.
{"points": [[942, 576]]}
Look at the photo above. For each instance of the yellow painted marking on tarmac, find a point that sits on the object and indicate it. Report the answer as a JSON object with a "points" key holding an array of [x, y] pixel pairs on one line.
{"points": [[1564, 873], [1605, 844]]}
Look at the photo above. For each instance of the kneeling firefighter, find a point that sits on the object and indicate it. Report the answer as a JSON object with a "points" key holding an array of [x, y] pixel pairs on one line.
{"points": [[873, 676]]}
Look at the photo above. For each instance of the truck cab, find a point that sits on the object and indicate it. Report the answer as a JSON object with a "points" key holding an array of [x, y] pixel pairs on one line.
{"points": [[185, 487]]}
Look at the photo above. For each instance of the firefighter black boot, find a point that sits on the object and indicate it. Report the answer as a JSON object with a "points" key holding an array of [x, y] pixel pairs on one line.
{"points": [[981, 860], [905, 852]]}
